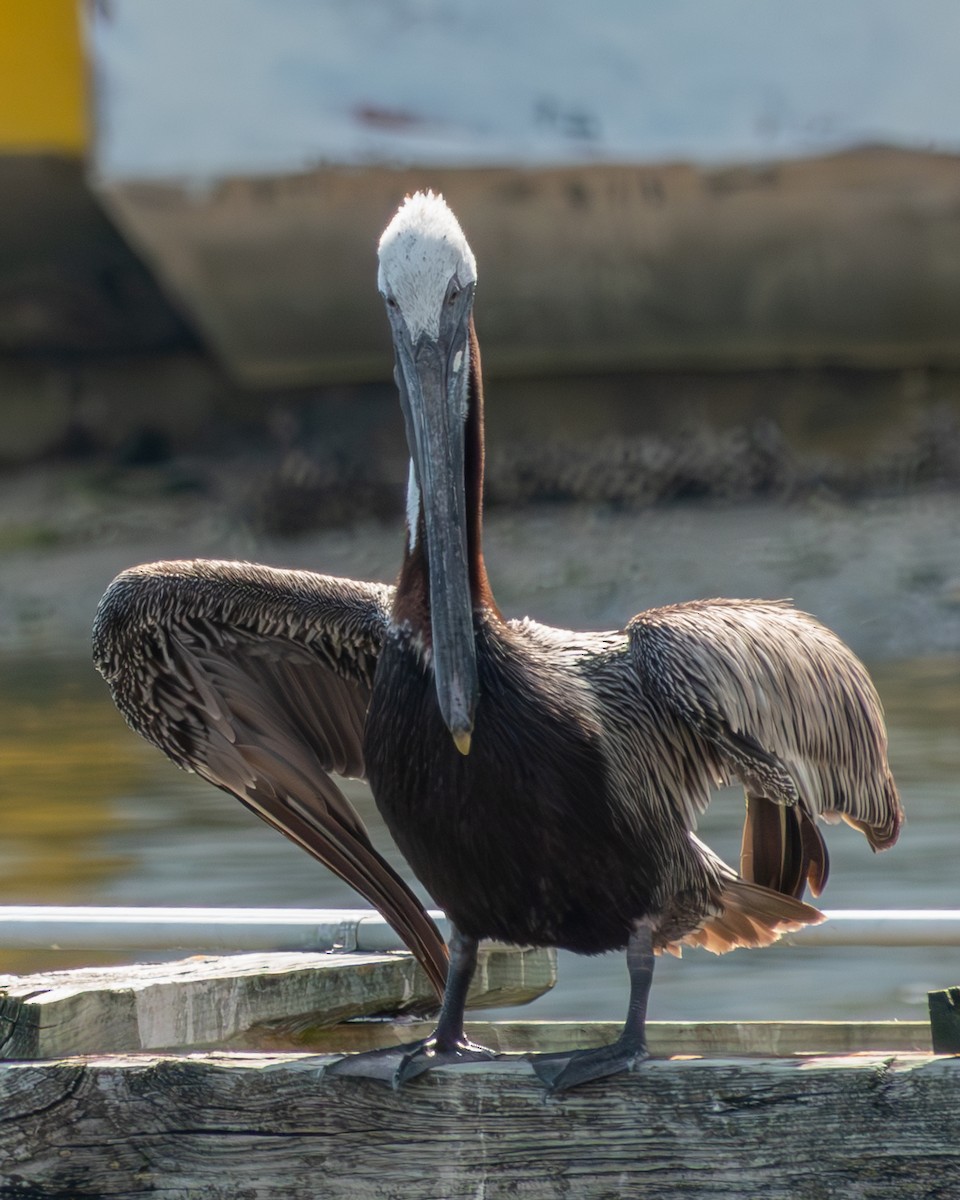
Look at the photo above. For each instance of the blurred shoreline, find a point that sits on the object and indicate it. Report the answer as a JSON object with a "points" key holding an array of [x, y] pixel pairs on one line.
{"points": [[882, 570]]}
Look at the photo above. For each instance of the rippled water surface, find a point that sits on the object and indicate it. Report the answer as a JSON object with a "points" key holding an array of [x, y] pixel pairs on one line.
{"points": [[92, 815]]}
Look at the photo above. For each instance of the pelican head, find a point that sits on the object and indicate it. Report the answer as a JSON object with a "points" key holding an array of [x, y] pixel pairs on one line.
{"points": [[427, 277]]}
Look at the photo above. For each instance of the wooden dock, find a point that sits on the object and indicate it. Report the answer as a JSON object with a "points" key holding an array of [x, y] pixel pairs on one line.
{"points": [[256, 1126], [112, 1088]]}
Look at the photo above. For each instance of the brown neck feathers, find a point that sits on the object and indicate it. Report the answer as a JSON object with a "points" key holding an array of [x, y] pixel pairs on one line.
{"points": [[412, 601]]}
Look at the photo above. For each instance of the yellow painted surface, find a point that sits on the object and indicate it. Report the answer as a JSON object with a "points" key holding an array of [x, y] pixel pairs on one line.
{"points": [[43, 77]]}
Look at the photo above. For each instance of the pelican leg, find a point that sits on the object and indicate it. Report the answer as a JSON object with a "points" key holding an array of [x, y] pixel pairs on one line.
{"points": [[447, 1044], [566, 1070]]}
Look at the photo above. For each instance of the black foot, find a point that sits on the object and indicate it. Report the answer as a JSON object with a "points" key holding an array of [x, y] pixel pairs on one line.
{"points": [[397, 1065], [560, 1072]]}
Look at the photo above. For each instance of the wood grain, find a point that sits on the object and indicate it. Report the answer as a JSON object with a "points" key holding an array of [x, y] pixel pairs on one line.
{"points": [[870, 1127], [213, 1001], [664, 1038]]}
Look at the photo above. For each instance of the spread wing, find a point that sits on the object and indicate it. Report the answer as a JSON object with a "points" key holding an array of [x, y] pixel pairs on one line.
{"points": [[258, 680], [790, 711]]}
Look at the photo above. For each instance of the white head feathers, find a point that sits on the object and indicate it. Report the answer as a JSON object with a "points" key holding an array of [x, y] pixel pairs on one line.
{"points": [[421, 250]]}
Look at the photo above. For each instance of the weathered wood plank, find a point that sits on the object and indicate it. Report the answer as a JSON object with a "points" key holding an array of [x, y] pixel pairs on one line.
{"points": [[218, 1126], [665, 1038], [206, 1001]]}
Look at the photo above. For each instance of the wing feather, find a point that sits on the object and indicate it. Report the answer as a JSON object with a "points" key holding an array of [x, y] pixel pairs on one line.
{"points": [[258, 680], [787, 706]]}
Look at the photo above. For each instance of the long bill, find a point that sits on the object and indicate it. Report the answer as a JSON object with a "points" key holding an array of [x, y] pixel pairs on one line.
{"points": [[433, 378]]}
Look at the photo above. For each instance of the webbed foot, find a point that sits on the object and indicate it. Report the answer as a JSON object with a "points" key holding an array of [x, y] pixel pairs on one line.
{"points": [[397, 1065], [560, 1072]]}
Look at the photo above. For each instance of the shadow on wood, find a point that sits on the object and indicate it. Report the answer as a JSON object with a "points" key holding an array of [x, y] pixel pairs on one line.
{"points": [[945, 1020]]}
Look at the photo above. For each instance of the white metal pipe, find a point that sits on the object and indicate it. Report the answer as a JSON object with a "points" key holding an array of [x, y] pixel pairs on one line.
{"points": [[884, 927], [42, 927], [46, 927]]}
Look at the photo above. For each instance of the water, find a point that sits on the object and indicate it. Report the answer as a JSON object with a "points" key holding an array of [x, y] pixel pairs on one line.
{"points": [[92, 815]]}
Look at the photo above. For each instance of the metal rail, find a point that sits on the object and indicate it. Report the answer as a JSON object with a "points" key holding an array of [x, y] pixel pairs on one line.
{"points": [[44, 927], [55, 927]]}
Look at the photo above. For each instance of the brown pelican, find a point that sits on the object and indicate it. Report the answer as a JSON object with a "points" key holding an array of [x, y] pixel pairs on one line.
{"points": [[543, 784]]}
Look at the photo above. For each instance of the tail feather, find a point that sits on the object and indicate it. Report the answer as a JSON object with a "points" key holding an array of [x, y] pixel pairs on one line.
{"points": [[782, 848], [752, 915]]}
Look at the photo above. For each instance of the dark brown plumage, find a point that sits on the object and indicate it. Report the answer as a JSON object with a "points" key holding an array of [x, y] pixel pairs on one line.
{"points": [[543, 784]]}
